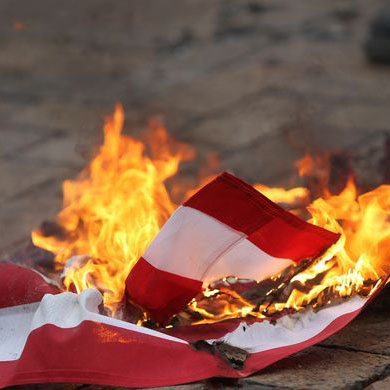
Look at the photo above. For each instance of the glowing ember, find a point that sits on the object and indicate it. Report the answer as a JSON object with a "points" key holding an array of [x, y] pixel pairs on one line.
{"points": [[117, 205], [19, 26]]}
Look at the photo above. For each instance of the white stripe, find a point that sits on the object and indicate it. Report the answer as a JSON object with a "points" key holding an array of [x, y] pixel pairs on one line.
{"points": [[66, 310], [246, 261], [288, 330], [194, 245], [189, 243], [15, 326]]}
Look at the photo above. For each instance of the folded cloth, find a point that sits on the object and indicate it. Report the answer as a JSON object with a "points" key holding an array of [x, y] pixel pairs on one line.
{"points": [[51, 337], [226, 228]]}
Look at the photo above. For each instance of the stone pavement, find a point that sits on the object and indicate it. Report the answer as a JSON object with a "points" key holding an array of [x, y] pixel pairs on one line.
{"points": [[258, 82]]}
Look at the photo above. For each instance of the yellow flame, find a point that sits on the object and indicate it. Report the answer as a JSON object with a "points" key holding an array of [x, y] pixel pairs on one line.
{"points": [[294, 196], [227, 304], [362, 254], [115, 208], [118, 203]]}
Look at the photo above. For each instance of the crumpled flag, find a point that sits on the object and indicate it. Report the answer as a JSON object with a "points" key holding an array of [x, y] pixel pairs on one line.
{"points": [[226, 228], [48, 337]]}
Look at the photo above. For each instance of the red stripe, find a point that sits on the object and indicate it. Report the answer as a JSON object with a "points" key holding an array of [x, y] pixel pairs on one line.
{"points": [[281, 239], [20, 286], [162, 294], [94, 353], [273, 229]]}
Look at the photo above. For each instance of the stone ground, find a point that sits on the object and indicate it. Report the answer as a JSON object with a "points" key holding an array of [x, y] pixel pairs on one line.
{"points": [[258, 82]]}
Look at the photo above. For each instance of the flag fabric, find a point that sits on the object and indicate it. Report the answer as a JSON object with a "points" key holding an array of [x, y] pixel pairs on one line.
{"points": [[48, 337], [226, 228]]}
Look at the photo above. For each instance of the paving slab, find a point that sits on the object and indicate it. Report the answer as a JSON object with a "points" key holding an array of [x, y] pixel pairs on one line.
{"points": [[321, 368], [369, 116], [12, 140], [235, 127], [51, 115], [83, 122], [369, 333], [118, 26], [21, 176], [380, 385], [357, 84], [73, 150], [222, 89], [69, 71], [20, 215], [262, 161]]}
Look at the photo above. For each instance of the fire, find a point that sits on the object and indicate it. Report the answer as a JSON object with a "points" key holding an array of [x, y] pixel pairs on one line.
{"points": [[114, 209], [306, 165], [294, 196], [361, 253], [354, 265], [119, 202]]}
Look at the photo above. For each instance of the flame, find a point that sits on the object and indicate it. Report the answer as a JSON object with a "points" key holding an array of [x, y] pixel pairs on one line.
{"points": [[354, 265], [306, 165], [115, 208], [294, 196], [361, 254], [119, 202], [221, 304]]}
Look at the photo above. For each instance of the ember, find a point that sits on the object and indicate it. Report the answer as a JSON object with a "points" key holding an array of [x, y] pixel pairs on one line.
{"points": [[120, 201]]}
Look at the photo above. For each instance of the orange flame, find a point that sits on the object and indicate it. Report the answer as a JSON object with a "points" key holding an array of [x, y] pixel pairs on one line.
{"points": [[306, 165], [360, 255], [115, 208], [294, 196], [118, 203], [19, 26]]}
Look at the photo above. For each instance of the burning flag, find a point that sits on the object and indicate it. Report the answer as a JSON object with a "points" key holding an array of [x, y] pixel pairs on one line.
{"points": [[47, 336], [226, 228], [248, 283]]}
